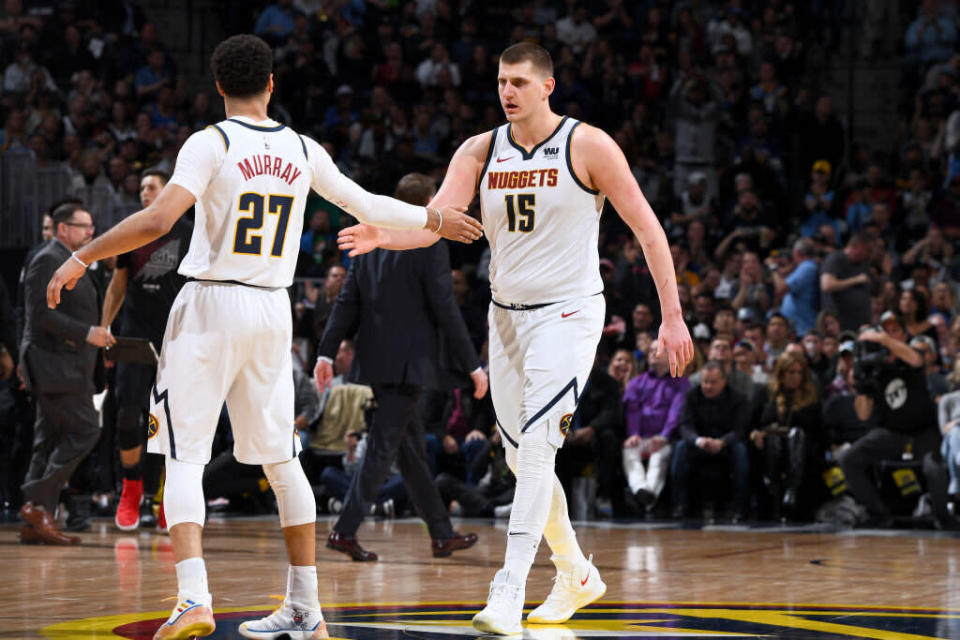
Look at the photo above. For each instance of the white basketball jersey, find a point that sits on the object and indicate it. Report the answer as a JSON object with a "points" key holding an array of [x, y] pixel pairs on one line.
{"points": [[249, 215], [541, 221]]}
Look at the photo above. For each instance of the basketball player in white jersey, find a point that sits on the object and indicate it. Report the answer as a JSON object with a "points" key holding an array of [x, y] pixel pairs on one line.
{"points": [[228, 337], [542, 180]]}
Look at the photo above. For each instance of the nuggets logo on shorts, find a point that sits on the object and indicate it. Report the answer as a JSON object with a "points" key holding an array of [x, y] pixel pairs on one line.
{"points": [[565, 423], [152, 426]]}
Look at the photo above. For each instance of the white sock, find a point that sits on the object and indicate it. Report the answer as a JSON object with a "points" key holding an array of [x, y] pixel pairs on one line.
{"points": [[531, 503], [192, 581], [559, 533], [302, 586]]}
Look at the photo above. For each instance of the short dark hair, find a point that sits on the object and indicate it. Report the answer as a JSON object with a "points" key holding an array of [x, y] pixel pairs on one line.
{"points": [[153, 171], [712, 365], [524, 51], [64, 213], [416, 189], [242, 65]]}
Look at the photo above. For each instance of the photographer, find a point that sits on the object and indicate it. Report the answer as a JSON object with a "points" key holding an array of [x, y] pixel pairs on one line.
{"points": [[891, 384]]}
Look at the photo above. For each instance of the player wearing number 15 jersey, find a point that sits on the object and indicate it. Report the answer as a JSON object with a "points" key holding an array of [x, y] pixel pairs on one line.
{"points": [[228, 336], [542, 178]]}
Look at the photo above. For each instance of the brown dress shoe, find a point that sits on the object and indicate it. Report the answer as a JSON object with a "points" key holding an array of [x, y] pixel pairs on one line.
{"points": [[29, 535], [444, 548], [349, 546], [44, 526]]}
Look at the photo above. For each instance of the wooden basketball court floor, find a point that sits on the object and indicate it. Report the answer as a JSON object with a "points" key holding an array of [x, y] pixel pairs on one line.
{"points": [[664, 581]]}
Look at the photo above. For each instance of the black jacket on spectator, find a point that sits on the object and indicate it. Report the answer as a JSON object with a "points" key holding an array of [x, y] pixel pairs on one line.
{"points": [[725, 417]]}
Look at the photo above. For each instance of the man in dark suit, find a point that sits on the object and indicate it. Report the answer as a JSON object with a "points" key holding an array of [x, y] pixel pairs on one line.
{"points": [[58, 356], [401, 305]]}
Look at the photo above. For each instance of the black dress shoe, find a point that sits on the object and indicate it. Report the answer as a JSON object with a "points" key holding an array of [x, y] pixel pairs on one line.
{"points": [[349, 546], [444, 548]]}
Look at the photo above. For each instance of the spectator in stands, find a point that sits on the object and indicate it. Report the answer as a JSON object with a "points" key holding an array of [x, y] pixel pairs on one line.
{"points": [[622, 367], [912, 308], [778, 337], [949, 418], [721, 352], [712, 426], [651, 405], [931, 37], [438, 70], [696, 105], [153, 76], [798, 283], [24, 74], [275, 23], [845, 283], [818, 201], [574, 30], [936, 380], [752, 289], [790, 436]]}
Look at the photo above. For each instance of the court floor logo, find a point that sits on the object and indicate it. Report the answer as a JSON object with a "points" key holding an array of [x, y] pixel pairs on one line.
{"points": [[451, 621]]}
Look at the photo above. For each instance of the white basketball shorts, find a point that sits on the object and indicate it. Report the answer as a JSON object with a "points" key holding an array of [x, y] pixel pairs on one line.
{"points": [[225, 343], [540, 360]]}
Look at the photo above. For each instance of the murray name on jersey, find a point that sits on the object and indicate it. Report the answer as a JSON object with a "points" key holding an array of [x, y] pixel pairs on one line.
{"points": [[260, 164]]}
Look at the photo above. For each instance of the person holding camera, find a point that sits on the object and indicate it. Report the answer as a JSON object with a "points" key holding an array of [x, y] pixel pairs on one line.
{"points": [[891, 384]]}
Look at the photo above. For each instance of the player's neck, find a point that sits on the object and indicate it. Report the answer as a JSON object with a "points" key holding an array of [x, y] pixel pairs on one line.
{"points": [[531, 131], [255, 108]]}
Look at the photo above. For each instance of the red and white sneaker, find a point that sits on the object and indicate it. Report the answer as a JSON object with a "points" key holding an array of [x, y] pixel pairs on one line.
{"points": [[161, 520], [573, 589], [128, 509]]}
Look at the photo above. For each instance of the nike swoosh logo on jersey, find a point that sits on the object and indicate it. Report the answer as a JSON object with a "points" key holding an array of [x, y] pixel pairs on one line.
{"points": [[505, 159], [567, 315], [583, 582]]}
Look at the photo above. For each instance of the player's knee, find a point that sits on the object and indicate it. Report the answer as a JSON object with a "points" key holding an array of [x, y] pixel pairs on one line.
{"points": [[295, 499], [130, 429], [183, 493]]}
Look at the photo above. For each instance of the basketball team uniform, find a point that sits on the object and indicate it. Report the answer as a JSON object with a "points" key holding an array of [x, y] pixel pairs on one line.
{"points": [[547, 312], [229, 333]]}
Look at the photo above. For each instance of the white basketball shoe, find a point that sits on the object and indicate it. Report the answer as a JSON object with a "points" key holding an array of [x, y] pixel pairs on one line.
{"points": [[504, 611], [289, 621], [574, 587]]}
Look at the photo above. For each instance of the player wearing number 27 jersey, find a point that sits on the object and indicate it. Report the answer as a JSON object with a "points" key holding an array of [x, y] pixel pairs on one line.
{"points": [[228, 336]]}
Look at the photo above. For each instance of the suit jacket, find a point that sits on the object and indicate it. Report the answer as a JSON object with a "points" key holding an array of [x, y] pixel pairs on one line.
{"points": [[409, 330], [54, 352]]}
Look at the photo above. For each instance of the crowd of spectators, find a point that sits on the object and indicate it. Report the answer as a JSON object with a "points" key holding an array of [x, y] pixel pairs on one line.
{"points": [[786, 240]]}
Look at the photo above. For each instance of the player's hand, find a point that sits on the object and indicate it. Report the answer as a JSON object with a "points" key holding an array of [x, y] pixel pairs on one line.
{"points": [[322, 375], [674, 338], [66, 276], [459, 226], [480, 383], [359, 239], [101, 337]]}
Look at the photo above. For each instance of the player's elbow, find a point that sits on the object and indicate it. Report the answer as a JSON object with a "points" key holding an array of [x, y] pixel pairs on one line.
{"points": [[157, 222]]}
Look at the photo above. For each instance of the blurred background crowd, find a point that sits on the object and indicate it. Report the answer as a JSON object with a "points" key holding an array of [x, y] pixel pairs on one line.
{"points": [[801, 205]]}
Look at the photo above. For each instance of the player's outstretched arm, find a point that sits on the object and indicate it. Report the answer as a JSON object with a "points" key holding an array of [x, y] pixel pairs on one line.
{"points": [[608, 170], [458, 188], [132, 232], [449, 221]]}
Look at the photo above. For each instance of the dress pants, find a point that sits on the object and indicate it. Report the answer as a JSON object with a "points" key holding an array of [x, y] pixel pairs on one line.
{"points": [[396, 434], [66, 431]]}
